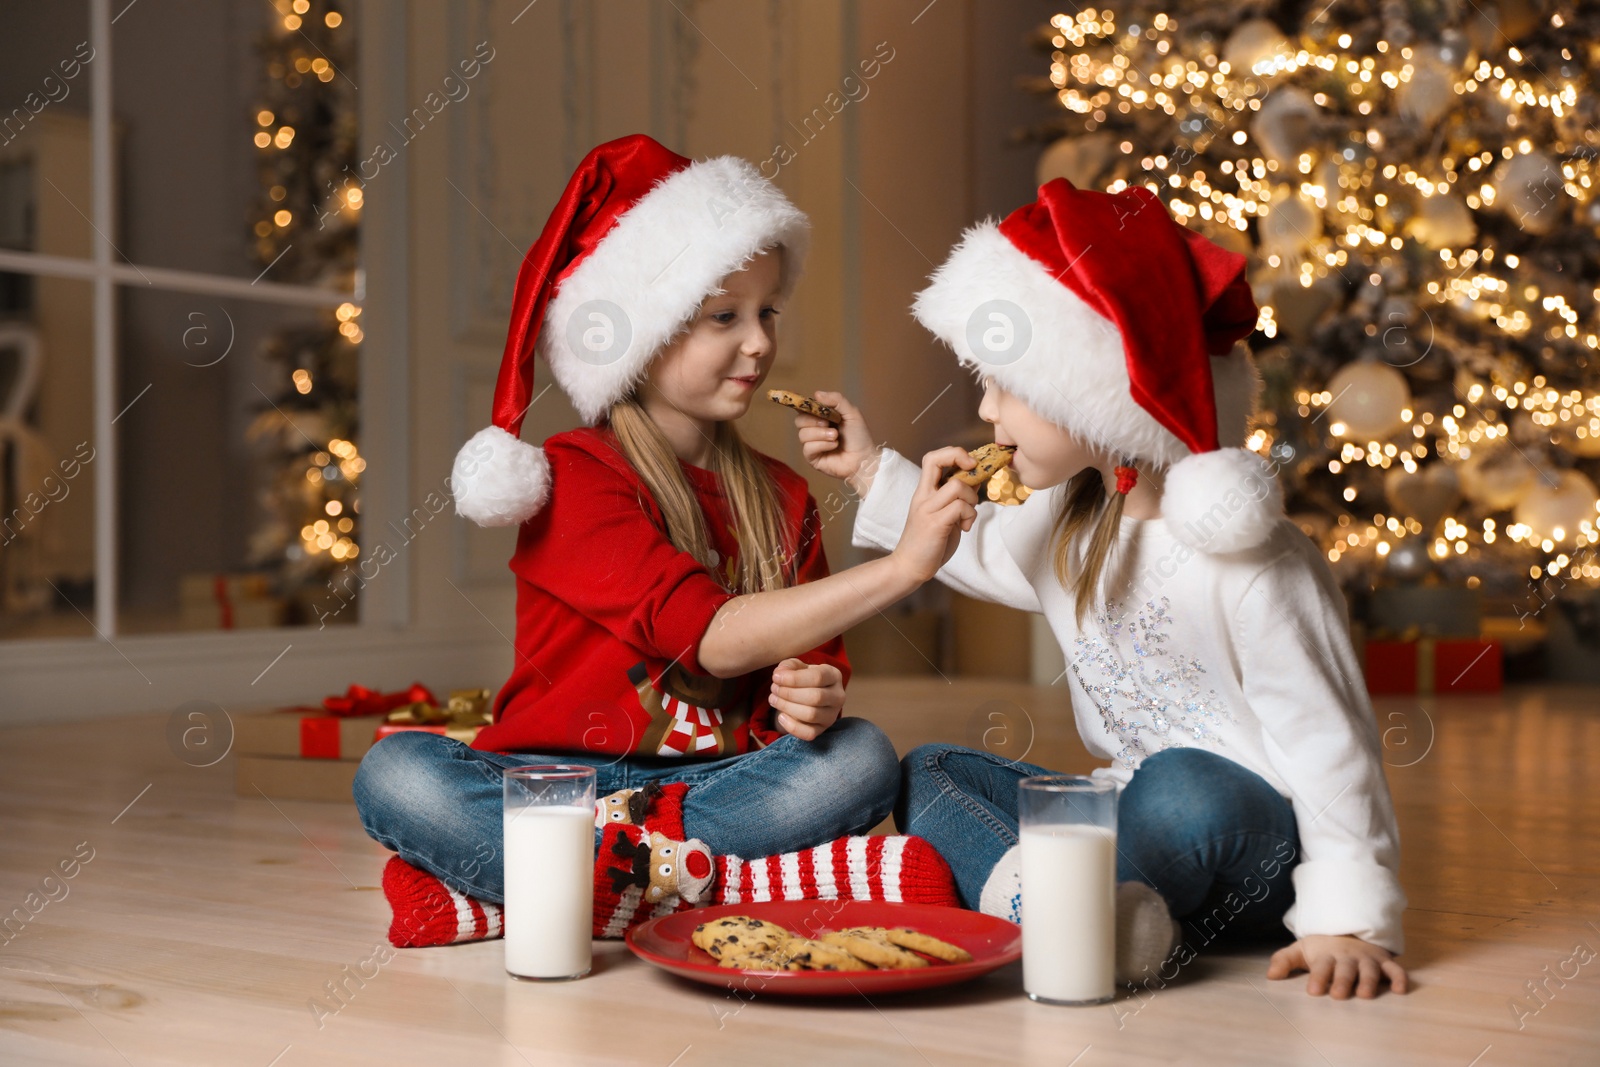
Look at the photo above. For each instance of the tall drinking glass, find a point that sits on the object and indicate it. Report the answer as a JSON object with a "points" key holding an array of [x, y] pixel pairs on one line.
{"points": [[1068, 827], [549, 870]]}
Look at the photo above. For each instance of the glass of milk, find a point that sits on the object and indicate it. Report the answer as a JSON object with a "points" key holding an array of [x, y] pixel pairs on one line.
{"points": [[1068, 830], [549, 870]]}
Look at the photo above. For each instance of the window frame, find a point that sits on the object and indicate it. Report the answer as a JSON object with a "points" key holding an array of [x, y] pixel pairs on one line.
{"points": [[384, 390]]}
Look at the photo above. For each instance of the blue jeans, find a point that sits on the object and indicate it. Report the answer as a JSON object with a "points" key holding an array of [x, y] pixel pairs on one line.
{"points": [[437, 801], [1211, 836]]}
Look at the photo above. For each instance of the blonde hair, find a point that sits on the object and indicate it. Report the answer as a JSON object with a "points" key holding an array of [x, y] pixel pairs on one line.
{"points": [[766, 558], [1086, 506]]}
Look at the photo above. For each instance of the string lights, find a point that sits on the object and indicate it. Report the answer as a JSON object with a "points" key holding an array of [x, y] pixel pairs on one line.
{"points": [[306, 229], [1415, 194]]}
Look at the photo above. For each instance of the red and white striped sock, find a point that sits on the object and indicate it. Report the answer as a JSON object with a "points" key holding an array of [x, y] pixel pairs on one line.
{"points": [[428, 912], [897, 868]]}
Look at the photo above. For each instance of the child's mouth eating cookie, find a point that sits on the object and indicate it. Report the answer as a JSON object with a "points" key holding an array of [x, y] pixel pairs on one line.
{"points": [[991, 458]]}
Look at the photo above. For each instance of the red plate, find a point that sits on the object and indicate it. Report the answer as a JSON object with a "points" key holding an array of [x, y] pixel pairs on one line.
{"points": [[993, 943]]}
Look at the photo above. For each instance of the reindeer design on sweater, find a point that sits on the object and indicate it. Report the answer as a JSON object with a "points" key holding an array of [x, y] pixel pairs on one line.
{"points": [[690, 714]]}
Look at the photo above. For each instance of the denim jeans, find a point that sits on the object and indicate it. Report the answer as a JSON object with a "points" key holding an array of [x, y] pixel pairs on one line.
{"points": [[437, 801], [1211, 836]]}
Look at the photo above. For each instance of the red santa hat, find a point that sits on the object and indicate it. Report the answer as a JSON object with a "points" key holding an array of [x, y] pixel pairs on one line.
{"points": [[640, 237], [1113, 321]]}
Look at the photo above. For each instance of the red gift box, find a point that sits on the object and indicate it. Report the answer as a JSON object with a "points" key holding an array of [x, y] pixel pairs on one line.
{"points": [[302, 733], [339, 730], [298, 754], [308, 753], [1433, 665]]}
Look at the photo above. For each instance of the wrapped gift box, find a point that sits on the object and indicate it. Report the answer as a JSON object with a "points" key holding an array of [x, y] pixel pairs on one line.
{"points": [[304, 733], [463, 715], [1433, 665], [227, 602], [310, 753], [299, 753]]}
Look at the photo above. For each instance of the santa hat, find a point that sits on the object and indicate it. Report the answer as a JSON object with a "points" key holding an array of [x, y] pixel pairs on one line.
{"points": [[1113, 321], [640, 237]]}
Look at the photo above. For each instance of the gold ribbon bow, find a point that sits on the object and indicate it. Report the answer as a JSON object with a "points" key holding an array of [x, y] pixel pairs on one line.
{"points": [[466, 710]]}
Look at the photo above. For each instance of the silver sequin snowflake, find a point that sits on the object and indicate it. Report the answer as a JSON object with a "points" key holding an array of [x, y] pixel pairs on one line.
{"points": [[1146, 695]]}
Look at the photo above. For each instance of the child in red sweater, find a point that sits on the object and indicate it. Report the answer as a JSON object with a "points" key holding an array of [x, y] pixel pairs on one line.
{"points": [[663, 568]]}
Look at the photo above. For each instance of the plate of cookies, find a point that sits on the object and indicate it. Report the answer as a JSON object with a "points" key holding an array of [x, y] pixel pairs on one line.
{"points": [[827, 947]]}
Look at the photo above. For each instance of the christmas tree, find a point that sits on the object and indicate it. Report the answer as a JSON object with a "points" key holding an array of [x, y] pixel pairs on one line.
{"points": [[307, 229], [1413, 182]]}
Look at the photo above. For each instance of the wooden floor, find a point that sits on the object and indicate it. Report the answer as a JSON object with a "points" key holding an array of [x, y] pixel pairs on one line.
{"points": [[204, 924]]}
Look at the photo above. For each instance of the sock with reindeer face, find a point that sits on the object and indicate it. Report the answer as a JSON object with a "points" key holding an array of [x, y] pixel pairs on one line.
{"points": [[647, 868], [642, 874]]}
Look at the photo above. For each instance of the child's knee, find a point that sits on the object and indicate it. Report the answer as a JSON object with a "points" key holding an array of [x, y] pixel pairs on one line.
{"points": [[872, 767], [1185, 764], [393, 779], [1192, 793], [1181, 781], [867, 750]]}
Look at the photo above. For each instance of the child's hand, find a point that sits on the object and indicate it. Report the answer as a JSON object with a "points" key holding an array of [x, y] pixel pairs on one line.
{"points": [[1340, 963], [938, 515], [808, 697], [838, 451]]}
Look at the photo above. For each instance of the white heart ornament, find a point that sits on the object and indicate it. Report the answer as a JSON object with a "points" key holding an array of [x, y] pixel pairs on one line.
{"points": [[1427, 495]]}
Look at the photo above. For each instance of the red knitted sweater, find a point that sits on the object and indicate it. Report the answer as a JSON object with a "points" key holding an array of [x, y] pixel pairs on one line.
{"points": [[610, 617]]}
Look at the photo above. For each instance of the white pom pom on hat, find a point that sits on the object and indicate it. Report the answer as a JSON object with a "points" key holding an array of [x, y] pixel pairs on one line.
{"points": [[1225, 500], [1117, 323], [638, 239], [498, 479]]}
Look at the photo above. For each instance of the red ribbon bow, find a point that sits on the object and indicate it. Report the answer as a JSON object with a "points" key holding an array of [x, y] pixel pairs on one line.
{"points": [[359, 700]]}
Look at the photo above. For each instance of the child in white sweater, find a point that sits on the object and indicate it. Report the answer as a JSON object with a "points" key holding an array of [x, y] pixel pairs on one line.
{"points": [[1207, 643]]}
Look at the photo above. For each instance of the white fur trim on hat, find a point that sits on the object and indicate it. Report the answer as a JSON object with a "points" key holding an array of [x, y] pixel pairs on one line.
{"points": [[1071, 367], [660, 261], [1222, 501], [1007, 317], [499, 480]]}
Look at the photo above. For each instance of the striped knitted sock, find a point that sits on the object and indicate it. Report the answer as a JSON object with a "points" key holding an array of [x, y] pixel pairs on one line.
{"points": [[428, 912], [893, 868], [897, 868]]}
